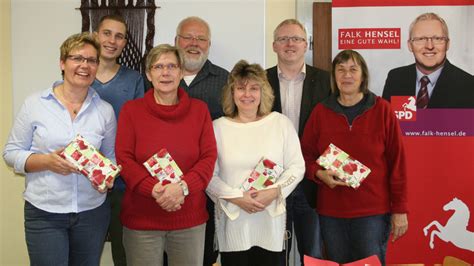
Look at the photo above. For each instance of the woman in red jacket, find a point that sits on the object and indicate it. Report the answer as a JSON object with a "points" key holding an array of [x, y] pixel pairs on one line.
{"points": [[356, 223], [159, 216]]}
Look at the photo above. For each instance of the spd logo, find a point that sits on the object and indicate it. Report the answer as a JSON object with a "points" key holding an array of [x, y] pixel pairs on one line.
{"points": [[405, 107]]}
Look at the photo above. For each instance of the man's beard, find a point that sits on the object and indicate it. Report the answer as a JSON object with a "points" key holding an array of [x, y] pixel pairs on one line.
{"points": [[192, 65]]}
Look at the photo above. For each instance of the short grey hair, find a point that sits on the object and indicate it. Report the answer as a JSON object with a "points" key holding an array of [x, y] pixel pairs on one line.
{"points": [[429, 16], [160, 50], [290, 21], [193, 19]]}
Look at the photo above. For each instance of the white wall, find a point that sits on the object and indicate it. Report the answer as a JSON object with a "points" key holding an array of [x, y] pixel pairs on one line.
{"points": [[39, 28], [237, 27]]}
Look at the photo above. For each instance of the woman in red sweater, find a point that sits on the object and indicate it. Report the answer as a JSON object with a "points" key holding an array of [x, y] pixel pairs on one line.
{"points": [[158, 216], [356, 223]]}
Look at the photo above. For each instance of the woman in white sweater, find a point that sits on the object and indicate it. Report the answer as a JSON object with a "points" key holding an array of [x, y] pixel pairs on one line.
{"points": [[250, 224]]}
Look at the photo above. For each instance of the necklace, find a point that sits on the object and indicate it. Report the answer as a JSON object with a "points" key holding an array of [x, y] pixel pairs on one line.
{"points": [[70, 106]]}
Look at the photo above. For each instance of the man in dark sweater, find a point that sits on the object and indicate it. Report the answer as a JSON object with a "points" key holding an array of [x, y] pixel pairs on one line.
{"points": [[202, 80]]}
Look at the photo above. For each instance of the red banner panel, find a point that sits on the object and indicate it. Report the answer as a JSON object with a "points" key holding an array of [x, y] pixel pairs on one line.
{"points": [[441, 213], [369, 38], [354, 3]]}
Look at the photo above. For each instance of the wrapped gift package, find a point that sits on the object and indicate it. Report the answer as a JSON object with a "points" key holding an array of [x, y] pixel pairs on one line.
{"points": [[263, 175], [162, 166], [350, 170], [100, 170]]}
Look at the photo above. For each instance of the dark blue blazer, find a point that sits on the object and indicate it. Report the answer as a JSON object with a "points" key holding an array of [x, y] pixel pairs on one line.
{"points": [[316, 87]]}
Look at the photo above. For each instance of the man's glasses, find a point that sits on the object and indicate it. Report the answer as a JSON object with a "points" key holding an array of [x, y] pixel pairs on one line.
{"points": [[199, 39], [285, 39], [433, 39], [161, 67], [79, 59]]}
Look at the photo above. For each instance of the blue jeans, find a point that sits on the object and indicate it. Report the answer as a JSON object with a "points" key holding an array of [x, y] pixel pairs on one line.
{"points": [[306, 226], [66, 238], [351, 239]]}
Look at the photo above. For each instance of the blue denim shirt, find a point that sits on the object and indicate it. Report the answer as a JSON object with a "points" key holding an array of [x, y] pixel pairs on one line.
{"points": [[44, 125]]}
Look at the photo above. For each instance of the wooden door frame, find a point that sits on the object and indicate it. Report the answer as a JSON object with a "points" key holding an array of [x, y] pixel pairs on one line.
{"points": [[322, 35]]}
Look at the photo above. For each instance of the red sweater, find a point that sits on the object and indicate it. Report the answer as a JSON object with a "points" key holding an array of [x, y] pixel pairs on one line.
{"points": [[375, 140], [185, 130]]}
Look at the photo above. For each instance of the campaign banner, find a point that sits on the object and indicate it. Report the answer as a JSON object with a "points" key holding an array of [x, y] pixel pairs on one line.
{"points": [[439, 140], [438, 123], [392, 3], [441, 202], [355, 20], [369, 38]]}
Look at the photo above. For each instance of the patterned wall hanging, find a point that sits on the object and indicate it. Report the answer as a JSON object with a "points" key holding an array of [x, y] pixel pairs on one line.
{"points": [[134, 54]]}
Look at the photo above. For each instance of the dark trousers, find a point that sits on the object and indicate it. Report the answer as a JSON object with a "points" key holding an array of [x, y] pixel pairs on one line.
{"points": [[65, 238], [115, 227], [305, 222], [351, 239], [255, 256], [210, 255]]}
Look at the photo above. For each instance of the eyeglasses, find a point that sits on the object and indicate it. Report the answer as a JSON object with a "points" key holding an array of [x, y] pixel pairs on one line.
{"points": [[161, 67], [199, 39], [79, 59], [433, 39], [285, 39]]}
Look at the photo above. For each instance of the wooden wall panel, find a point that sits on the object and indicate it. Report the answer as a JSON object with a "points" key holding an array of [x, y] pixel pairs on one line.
{"points": [[322, 37]]}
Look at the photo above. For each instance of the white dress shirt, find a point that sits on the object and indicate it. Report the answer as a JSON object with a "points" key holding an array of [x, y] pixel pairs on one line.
{"points": [[291, 92]]}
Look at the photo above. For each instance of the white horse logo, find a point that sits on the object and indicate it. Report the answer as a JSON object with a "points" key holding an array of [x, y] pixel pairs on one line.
{"points": [[411, 105], [455, 230]]}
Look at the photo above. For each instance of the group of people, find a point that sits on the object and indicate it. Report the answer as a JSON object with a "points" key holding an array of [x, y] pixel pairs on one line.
{"points": [[217, 126]]}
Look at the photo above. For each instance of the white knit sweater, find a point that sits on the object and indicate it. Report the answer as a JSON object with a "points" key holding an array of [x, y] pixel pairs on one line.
{"points": [[240, 146]]}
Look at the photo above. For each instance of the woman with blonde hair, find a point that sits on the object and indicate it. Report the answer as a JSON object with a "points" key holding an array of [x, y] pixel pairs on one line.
{"points": [[66, 218], [250, 225]]}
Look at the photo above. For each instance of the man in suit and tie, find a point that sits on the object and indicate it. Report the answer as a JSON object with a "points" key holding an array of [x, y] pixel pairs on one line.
{"points": [[298, 88], [432, 78]]}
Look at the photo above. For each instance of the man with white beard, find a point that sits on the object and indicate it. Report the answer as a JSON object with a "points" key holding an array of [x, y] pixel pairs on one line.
{"points": [[202, 80]]}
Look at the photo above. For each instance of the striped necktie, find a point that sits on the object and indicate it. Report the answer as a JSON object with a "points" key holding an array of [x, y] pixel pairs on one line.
{"points": [[422, 98]]}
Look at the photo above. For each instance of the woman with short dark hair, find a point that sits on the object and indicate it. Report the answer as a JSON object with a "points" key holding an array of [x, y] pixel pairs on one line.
{"points": [[356, 223], [159, 216]]}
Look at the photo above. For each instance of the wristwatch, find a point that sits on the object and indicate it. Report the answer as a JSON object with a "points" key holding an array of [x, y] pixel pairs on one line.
{"points": [[184, 187]]}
